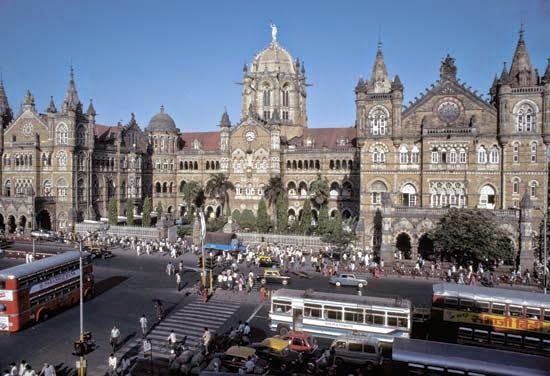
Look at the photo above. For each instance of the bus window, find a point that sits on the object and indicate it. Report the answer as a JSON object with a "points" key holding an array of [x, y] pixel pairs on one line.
{"points": [[546, 314], [333, 313], [498, 308], [281, 306], [513, 340], [379, 317], [481, 336], [498, 338], [2, 285], [466, 304], [465, 333], [515, 311], [532, 313], [451, 302], [312, 310], [369, 319], [397, 319], [481, 307], [353, 315]]}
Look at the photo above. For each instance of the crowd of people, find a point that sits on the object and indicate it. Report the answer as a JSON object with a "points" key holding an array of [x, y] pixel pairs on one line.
{"points": [[25, 369]]}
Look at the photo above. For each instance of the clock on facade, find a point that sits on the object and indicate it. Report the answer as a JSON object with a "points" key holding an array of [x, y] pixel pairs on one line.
{"points": [[448, 111], [27, 128], [250, 136]]}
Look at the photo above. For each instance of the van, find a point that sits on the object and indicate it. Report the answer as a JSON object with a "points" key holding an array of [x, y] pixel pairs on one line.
{"points": [[363, 350]]}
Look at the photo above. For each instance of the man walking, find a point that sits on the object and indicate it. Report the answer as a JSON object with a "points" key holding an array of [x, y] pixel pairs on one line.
{"points": [[178, 280], [115, 335], [206, 338], [113, 365], [143, 324], [47, 370]]}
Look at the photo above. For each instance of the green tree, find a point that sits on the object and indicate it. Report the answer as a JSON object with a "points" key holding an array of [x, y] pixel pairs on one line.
{"points": [[263, 221], [323, 223], [218, 186], [305, 221], [272, 192], [320, 191], [113, 211], [130, 211], [193, 197], [236, 216], [336, 225], [147, 208], [465, 235], [248, 220], [282, 212], [339, 235]]}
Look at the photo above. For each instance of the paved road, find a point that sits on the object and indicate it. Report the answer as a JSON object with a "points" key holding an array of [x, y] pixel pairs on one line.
{"points": [[127, 284]]}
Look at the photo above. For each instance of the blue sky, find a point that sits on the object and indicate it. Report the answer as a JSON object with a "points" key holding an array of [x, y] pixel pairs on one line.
{"points": [[133, 56]]}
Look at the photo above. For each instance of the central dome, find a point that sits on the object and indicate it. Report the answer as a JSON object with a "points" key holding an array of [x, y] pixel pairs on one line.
{"points": [[162, 122], [273, 59]]}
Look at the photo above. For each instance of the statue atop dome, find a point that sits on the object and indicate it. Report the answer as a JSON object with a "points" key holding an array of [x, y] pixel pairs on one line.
{"points": [[273, 32]]}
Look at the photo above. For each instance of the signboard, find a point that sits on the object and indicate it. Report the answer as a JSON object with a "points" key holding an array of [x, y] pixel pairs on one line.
{"points": [[54, 281], [4, 322], [497, 321], [203, 225], [6, 295]]}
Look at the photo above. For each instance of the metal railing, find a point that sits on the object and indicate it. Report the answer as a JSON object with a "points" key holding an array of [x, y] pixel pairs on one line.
{"points": [[123, 231]]}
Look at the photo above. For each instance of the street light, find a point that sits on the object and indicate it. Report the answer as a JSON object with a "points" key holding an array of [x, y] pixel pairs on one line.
{"points": [[545, 249]]}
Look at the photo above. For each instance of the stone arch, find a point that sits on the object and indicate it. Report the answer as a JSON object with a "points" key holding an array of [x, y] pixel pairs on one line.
{"points": [[347, 189], [218, 211], [292, 216], [334, 189], [291, 188], [22, 222], [332, 212], [11, 224], [210, 212], [426, 247], [347, 214], [2, 224], [182, 186], [302, 189], [44, 220], [169, 210], [403, 243], [164, 187], [487, 196]]}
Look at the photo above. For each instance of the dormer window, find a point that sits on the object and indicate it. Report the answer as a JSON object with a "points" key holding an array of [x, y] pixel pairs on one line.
{"points": [[197, 145], [342, 141]]}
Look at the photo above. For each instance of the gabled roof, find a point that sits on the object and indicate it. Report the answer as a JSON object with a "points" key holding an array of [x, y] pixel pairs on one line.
{"points": [[210, 141], [106, 131], [325, 137]]}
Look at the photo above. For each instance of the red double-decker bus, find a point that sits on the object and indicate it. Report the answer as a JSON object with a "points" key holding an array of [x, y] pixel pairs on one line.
{"points": [[30, 293]]}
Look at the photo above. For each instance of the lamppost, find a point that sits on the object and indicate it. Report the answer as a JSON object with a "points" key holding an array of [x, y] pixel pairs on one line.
{"points": [[545, 248]]}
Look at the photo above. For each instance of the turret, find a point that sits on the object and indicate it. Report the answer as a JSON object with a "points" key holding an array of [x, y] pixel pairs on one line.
{"points": [[225, 125], [522, 73], [28, 104], [91, 112], [71, 102], [51, 107], [6, 114]]}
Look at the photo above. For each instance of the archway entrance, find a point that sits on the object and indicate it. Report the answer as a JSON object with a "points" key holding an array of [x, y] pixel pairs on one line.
{"points": [[11, 224], [22, 222], [2, 224], [426, 247], [403, 245], [43, 220]]}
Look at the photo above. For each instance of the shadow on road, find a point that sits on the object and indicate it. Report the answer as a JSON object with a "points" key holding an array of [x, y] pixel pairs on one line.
{"points": [[108, 283], [63, 370]]}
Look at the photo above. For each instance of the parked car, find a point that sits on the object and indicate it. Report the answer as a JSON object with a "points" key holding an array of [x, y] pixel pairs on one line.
{"points": [[346, 279], [267, 262], [99, 252], [357, 349], [277, 353], [273, 275], [300, 341]]}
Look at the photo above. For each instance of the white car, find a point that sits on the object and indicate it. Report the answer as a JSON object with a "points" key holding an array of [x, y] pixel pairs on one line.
{"points": [[347, 279]]}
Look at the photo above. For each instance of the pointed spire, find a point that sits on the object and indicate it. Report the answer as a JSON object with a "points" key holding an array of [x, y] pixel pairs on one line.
{"points": [[132, 121], [447, 71], [91, 109], [504, 76], [5, 111], [28, 103], [71, 102], [522, 73], [494, 86], [546, 77], [396, 84], [225, 122], [51, 107], [379, 81]]}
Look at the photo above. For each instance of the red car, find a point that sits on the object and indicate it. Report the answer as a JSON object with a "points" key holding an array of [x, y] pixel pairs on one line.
{"points": [[300, 341]]}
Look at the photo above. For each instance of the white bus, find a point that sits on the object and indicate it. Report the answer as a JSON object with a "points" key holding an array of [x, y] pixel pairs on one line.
{"points": [[329, 315]]}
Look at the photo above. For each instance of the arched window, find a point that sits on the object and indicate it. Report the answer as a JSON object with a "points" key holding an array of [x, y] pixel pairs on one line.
{"points": [[452, 156], [533, 152], [515, 152], [266, 95], [61, 190], [493, 155], [62, 159], [158, 188], [408, 195], [81, 135], [525, 121], [62, 134], [7, 188], [533, 189], [334, 190], [378, 188], [403, 155], [47, 189], [414, 154], [515, 186], [375, 156], [286, 95], [482, 155], [462, 156], [435, 156], [487, 197], [378, 123]]}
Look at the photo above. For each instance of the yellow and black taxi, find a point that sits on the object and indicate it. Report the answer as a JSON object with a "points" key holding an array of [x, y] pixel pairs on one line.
{"points": [[267, 261], [273, 275]]}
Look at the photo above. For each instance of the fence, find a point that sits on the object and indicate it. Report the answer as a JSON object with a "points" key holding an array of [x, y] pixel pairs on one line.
{"points": [[281, 239], [130, 231]]}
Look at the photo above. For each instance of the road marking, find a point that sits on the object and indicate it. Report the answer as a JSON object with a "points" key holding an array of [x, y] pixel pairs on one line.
{"points": [[256, 311]]}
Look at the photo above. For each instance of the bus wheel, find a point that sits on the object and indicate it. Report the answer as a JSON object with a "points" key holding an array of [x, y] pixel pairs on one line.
{"points": [[283, 330], [42, 316]]}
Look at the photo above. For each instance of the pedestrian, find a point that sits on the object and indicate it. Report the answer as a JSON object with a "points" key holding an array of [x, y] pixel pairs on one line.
{"points": [[115, 335], [178, 280], [240, 328], [206, 338], [169, 268], [6, 372], [263, 293], [125, 366], [28, 371], [113, 365], [180, 267], [22, 367], [143, 324], [47, 370], [13, 369], [246, 330]]}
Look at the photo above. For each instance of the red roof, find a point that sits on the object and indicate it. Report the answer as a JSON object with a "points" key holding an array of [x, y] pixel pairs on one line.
{"points": [[104, 130], [327, 137], [210, 141]]}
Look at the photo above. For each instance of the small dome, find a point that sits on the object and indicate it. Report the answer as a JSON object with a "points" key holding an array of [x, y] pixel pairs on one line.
{"points": [[275, 58], [162, 122]]}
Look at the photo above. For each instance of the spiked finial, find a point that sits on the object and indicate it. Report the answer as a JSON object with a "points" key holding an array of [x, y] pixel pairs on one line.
{"points": [[225, 122], [51, 107], [91, 109], [71, 102]]}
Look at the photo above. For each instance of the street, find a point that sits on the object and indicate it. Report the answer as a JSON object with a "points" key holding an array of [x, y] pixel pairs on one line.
{"points": [[125, 288]]}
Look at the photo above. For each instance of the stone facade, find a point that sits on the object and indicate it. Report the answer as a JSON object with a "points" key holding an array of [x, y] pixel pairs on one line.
{"points": [[397, 168]]}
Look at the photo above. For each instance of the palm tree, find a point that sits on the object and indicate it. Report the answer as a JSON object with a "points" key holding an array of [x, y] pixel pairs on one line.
{"points": [[193, 195], [218, 187], [320, 191], [272, 192]]}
